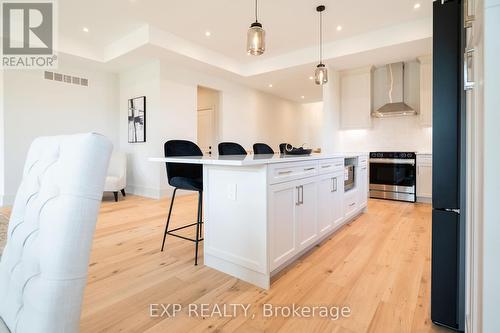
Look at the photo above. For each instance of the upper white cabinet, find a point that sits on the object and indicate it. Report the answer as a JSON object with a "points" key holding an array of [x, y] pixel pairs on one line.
{"points": [[425, 90], [356, 92], [424, 177]]}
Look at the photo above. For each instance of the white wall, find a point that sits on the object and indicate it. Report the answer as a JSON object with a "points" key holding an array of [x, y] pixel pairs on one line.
{"points": [[331, 114], [210, 98], [143, 177], [389, 134], [312, 117], [2, 138], [245, 116], [36, 107], [491, 194]]}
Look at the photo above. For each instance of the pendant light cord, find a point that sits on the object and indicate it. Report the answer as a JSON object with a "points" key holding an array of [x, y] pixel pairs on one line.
{"points": [[256, 4], [320, 37]]}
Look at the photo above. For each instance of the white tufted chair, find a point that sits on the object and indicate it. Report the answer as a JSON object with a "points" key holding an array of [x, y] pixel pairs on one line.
{"points": [[116, 180], [43, 269]]}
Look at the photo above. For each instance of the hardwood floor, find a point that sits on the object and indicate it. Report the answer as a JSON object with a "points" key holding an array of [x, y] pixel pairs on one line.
{"points": [[379, 266]]}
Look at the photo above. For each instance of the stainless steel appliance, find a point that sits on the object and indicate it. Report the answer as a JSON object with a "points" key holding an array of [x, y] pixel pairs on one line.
{"points": [[392, 176], [348, 177]]}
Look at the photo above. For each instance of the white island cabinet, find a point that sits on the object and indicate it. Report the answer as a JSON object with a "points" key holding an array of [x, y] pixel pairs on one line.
{"points": [[261, 212]]}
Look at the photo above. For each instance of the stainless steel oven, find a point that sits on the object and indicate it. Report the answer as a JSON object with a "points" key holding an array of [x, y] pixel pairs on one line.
{"points": [[392, 176]]}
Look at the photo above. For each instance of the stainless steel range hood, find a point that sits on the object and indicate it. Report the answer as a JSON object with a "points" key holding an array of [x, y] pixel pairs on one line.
{"points": [[395, 106]]}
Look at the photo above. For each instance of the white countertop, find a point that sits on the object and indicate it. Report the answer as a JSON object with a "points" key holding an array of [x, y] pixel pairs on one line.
{"points": [[254, 159]]}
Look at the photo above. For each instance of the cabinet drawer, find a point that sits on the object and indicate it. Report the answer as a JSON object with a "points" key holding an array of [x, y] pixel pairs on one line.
{"points": [[350, 203], [331, 165], [284, 172], [363, 160]]}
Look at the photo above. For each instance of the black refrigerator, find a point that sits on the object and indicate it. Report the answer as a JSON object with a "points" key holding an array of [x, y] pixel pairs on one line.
{"points": [[448, 172]]}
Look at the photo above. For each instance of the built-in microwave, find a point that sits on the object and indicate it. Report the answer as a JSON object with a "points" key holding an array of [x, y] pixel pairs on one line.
{"points": [[349, 177]]}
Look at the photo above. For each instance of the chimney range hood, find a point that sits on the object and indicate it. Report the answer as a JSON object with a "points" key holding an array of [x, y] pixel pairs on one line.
{"points": [[395, 106]]}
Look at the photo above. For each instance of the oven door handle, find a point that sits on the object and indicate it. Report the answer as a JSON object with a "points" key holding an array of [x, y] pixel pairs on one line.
{"points": [[392, 161]]}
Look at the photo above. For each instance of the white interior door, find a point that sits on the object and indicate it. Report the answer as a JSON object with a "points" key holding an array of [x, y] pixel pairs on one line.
{"points": [[206, 130]]}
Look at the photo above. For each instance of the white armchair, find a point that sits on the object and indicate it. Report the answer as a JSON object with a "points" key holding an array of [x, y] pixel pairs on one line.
{"points": [[116, 180], [44, 266]]}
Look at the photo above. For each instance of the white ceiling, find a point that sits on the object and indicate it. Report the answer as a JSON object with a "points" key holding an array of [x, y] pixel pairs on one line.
{"points": [[291, 27]]}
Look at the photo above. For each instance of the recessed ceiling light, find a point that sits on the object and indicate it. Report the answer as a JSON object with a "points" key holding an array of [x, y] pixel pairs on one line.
{"points": [[270, 85], [302, 97], [310, 78], [416, 6], [339, 28], [208, 33], [85, 29]]}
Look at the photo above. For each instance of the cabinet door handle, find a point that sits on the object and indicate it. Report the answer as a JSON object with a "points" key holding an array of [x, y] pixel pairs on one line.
{"points": [[297, 203], [301, 194], [334, 184], [326, 166], [352, 204], [309, 169], [469, 69], [468, 18], [364, 168], [285, 172]]}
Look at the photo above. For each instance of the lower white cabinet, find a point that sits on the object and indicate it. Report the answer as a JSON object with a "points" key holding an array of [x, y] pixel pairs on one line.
{"points": [[293, 208], [304, 211], [351, 203], [305, 214], [330, 202], [363, 185], [424, 177], [283, 198]]}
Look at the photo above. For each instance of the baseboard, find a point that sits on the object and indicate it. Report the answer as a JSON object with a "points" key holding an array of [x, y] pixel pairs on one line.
{"points": [[424, 200], [154, 193], [148, 192]]}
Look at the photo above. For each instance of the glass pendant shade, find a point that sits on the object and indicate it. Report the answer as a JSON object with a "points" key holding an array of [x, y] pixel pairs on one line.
{"points": [[256, 39], [321, 72], [321, 75]]}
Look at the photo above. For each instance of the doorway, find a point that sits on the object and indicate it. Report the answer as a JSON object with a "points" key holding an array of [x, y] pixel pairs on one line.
{"points": [[207, 115]]}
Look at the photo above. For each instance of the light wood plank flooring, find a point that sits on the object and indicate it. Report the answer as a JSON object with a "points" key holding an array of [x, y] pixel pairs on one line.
{"points": [[378, 265]]}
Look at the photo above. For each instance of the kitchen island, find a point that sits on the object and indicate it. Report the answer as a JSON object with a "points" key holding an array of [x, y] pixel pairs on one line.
{"points": [[261, 212]]}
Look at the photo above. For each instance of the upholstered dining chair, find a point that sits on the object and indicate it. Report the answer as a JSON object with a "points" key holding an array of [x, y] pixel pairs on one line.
{"points": [[43, 269], [116, 179]]}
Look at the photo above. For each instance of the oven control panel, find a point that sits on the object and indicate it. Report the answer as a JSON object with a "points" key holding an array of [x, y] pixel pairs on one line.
{"points": [[394, 155]]}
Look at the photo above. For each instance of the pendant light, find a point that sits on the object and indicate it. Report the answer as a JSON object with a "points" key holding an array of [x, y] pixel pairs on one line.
{"points": [[321, 72], [256, 37]]}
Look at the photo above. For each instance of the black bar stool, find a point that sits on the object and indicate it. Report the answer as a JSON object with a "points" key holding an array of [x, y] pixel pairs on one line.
{"points": [[231, 148], [262, 148], [185, 177]]}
